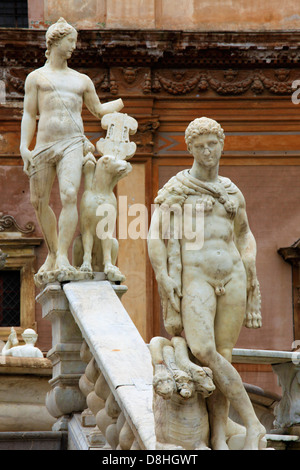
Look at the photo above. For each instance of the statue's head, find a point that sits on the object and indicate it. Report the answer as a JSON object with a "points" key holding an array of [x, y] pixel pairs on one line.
{"points": [[184, 384], [163, 384], [202, 126], [57, 32], [29, 336], [205, 141]]}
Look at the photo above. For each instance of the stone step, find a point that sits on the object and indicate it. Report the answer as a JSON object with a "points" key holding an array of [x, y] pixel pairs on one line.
{"points": [[37, 440], [283, 441]]}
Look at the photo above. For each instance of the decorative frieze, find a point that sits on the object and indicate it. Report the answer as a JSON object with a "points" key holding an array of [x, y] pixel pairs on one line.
{"points": [[157, 62], [140, 81]]}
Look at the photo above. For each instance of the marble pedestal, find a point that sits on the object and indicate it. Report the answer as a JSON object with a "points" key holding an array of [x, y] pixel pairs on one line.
{"points": [[65, 396]]}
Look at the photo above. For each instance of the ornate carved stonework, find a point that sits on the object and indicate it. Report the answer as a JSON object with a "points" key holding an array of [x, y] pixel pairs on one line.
{"points": [[100, 79], [145, 136], [223, 82], [181, 83], [173, 82], [9, 223], [175, 63]]}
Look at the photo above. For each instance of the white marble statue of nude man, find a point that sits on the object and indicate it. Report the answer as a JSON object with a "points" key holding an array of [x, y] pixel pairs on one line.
{"points": [[216, 290], [56, 93]]}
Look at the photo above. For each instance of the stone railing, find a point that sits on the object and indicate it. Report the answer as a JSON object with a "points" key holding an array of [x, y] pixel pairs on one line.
{"points": [[101, 365], [286, 365]]}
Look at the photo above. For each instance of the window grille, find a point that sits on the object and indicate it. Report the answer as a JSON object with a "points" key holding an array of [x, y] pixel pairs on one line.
{"points": [[10, 289], [13, 14]]}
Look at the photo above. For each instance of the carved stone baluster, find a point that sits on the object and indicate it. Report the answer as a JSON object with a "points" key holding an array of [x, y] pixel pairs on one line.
{"points": [[95, 403], [126, 437], [85, 353], [113, 411], [86, 387], [106, 420], [135, 445], [119, 425], [92, 373], [102, 390]]}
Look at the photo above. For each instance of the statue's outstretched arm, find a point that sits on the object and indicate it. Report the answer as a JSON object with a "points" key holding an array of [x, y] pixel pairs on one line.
{"points": [[93, 103]]}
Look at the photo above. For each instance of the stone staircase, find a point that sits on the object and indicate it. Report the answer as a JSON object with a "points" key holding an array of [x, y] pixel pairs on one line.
{"points": [[101, 387]]}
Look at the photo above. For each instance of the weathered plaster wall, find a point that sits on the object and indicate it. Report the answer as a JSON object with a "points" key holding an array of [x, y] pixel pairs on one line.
{"points": [[200, 15]]}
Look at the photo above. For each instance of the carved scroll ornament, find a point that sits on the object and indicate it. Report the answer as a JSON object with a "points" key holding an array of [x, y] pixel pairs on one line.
{"points": [[8, 223]]}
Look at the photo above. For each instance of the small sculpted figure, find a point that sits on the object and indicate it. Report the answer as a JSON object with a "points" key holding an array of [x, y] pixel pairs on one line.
{"points": [[56, 93], [179, 405], [13, 349], [210, 289]]}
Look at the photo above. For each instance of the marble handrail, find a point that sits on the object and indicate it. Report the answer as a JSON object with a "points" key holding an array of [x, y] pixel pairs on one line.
{"points": [[119, 351], [263, 356]]}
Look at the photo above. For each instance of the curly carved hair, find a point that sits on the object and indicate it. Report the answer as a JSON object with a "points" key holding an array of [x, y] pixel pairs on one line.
{"points": [[57, 31], [201, 126]]}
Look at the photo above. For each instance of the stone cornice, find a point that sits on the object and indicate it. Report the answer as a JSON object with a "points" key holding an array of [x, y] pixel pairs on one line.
{"points": [[25, 366], [164, 64], [25, 47]]}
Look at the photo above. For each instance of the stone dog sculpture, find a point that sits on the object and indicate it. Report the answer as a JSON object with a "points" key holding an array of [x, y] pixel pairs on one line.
{"points": [[96, 249], [180, 388], [92, 251]]}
